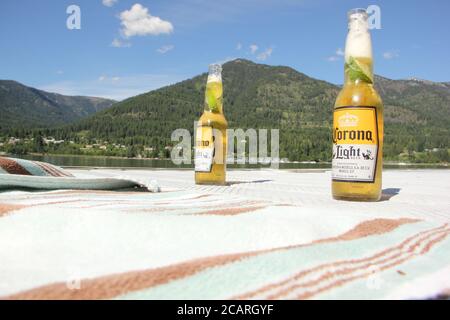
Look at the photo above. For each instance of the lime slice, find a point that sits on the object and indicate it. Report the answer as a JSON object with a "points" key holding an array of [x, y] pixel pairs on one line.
{"points": [[211, 99], [213, 95], [358, 70]]}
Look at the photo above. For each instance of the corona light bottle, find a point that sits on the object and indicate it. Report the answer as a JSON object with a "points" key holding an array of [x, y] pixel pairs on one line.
{"points": [[211, 138], [357, 120]]}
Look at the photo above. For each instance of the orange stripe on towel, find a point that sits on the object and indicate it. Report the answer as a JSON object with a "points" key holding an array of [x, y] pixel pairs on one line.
{"points": [[7, 208], [341, 282], [43, 167], [49, 169], [230, 211], [13, 167], [111, 286], [332, 270]]}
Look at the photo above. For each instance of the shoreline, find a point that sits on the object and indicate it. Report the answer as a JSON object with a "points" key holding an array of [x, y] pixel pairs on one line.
{"points": [[309, 165], [389, 163]]}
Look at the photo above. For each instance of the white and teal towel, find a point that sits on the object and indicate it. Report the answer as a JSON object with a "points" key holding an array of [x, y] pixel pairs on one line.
{"points": [[267, 235]]}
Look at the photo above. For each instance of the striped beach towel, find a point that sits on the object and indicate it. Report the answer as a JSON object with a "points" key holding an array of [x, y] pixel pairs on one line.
{"points": [[267, 235], [19, 173]]}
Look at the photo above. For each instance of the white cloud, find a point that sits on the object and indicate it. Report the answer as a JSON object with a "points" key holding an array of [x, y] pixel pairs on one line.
{"points": [[165, 49], [59, 72], [119, 89], [109, 3], [117, 43], [333, 58], [253, 48], [337, 56], [265, 54], [390, 55], [139, 22], [104, 78], [239, 46]]}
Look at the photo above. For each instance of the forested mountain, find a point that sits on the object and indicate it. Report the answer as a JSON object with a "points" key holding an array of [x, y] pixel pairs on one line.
{"points": [[26, 107], [255, 96], [417, 112]]}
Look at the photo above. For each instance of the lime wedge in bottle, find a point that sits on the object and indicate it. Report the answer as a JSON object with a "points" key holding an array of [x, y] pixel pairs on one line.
{"points": [[358, 70], [213, 95]]}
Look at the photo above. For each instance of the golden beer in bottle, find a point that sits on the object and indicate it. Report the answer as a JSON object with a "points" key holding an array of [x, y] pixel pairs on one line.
{"points": [[211, 133], [357, 160]]}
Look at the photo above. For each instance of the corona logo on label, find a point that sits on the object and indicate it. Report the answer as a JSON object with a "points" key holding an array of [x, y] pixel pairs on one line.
{"points": [[348, 120]]}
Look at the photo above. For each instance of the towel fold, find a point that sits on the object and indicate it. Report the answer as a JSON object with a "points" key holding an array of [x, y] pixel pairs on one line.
{"points": [[19, 173]]}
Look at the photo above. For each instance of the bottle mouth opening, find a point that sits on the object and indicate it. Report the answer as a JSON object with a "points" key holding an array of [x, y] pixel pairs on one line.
{"points": [[357, 12], [215, 68]]}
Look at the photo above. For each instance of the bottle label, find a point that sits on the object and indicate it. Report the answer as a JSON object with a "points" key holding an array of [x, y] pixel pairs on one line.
{"points": [[204, 149], [355, 144]]}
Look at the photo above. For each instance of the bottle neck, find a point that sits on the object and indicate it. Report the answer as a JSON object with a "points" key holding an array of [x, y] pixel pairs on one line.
{"points": [[358, 52]]}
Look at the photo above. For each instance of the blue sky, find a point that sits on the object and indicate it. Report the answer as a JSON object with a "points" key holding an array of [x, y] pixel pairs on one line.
{"points": [[122, 49]]}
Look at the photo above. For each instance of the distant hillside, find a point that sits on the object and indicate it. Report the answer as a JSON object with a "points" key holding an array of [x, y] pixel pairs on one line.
{"points": [[417, 112], [26, 107]]}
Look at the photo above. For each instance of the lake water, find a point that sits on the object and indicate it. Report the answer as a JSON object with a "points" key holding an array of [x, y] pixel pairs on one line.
{"points": [[89, 161]]}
